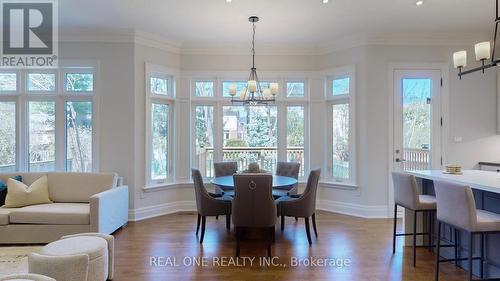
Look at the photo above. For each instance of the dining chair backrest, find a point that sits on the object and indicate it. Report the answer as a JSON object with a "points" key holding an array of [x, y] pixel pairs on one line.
{"points": [[456, 205], [225, 168], [201, 193], [288, 169], [308, 197], [405, 190], [253, 203]]}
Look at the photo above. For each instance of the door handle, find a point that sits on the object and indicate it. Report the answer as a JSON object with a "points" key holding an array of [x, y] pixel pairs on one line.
{"points": [[400, 160]]}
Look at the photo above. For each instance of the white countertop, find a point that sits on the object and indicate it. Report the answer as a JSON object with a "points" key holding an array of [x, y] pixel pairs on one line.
{"points": [[481, 180]]}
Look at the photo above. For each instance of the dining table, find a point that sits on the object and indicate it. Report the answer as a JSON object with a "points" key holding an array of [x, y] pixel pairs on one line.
{"points": [[281, 184]]}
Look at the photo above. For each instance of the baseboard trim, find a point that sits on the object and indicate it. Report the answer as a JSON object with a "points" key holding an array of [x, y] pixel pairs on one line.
{"points": [[355, 210], [160, 210], [350, 209]]}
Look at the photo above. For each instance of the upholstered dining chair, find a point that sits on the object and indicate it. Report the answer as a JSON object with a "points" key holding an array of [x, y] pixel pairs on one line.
{"points": [[209, 204], [253, 205], [301, 205], [225, 168], [289, 169]]}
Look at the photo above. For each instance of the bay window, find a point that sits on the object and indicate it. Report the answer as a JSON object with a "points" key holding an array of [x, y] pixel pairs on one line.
{"points": [[31, 104]]}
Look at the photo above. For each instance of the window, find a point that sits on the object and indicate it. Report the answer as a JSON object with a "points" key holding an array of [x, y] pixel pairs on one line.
{"points": [[295, 89], [204, 88], [8, 82], [79, 82], [79, 136], [295, 136], [159, 129], [204, 139], [7, 136], [32, 139], [340, 109], [41, 82], [250, 135]]}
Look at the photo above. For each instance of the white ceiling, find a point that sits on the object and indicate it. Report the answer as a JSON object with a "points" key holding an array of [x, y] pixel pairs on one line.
{"points": [[285, 23]]}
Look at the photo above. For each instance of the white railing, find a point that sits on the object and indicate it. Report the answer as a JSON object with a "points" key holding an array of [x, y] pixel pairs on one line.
{"points": [[265, 156], [416, 159]]}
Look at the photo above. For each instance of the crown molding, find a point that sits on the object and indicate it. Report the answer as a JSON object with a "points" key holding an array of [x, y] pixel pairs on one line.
{"points": [[344, 43]]}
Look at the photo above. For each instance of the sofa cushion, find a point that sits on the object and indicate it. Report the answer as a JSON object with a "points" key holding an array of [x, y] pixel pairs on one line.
{"points": [[4, 215], [79, 187], [55, 213]]}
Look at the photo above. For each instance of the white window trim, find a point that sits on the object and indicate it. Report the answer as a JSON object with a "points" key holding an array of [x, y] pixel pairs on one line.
{"points": [[331, 74], [152, 70], [59, 96]]}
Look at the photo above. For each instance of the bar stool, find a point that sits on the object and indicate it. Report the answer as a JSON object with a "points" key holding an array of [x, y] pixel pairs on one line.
{"points": [[406, 195], [456, 206]]}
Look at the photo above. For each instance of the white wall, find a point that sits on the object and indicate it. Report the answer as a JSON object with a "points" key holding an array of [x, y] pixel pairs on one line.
{"points": [[472, 115]]}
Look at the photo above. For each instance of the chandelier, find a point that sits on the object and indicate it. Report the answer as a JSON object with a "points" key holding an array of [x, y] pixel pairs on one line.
{"points": [[253, 94], [483, 53]]}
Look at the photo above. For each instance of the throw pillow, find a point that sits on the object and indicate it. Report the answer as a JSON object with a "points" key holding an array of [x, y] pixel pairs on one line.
{"points": [[20, 195], [3, 189]]}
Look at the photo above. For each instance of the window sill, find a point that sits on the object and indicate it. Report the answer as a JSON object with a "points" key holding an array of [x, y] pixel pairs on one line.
{"points": [[167, 186], [339, 185]]}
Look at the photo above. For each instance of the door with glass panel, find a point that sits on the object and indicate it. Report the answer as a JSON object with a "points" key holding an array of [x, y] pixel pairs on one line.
{"points": [[417, 120]]}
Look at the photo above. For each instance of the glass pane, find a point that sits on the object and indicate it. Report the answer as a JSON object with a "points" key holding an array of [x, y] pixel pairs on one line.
{"points": [[79, 136], [204, 128], [416, 123], [159, 86], [159, 138], [7, 137], [295, 136], [8, 82], [295, 89], [41, 82], [250, 135], [204, 89], [240, 85], [42, 136], [340, 86], [340, 141], [79, 82]]}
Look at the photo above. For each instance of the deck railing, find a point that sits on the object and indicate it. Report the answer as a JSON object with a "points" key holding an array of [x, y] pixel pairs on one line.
{"points": [[416, 159], [266, 157]]}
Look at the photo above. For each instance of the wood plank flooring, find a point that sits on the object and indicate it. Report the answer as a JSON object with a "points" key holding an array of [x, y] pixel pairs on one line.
{"points": [[366, 243]]}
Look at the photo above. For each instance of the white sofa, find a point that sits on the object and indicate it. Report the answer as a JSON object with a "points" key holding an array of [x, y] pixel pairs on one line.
{"points": [[83, 202]]}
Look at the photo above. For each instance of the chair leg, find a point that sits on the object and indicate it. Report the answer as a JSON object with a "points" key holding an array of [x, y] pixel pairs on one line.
{"points": [[203, 222], [237, 229], [296, 219], [438, 248], [269, 240], [469, 259], [481, 269], [228, 222], [314, 225], [308, 231], [414, 238], [282, 223], [456, 247], [429, 230], [273, 234], [217, 217], [198, 224], [394, 229]]}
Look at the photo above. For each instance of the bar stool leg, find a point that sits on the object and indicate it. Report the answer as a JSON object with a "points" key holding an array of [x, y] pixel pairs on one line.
{"points": [[414, 238], [394, 229], [438, 246], [469, 260]]}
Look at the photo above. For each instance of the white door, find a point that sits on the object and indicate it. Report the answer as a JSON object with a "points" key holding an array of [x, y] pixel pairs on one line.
{"points": [[417, 120]]}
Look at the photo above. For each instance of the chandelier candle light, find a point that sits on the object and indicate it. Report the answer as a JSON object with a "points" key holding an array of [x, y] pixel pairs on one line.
{"points": [[483, 53], [253, 94]]}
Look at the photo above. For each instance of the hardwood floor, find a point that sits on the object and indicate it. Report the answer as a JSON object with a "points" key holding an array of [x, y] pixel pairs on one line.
{"points": [[367, 244]]}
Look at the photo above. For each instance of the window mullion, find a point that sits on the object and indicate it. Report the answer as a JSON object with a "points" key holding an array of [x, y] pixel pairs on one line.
{"points": [[60, 141]]}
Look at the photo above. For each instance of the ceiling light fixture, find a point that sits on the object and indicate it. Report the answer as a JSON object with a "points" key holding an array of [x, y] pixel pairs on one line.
{"points": [[229, 1], [483, 52], [325, 1], [419, 3], [253, 94]]}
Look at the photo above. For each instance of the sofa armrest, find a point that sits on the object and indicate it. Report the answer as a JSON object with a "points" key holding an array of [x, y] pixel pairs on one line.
{"points": [[109, 210]]}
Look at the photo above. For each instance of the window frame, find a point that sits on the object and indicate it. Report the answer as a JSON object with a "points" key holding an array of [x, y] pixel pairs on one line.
{"points": [[331, 100], [59, 96], [169, 100]]}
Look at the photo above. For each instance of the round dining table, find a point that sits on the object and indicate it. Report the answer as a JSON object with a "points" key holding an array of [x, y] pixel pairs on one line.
{"points": [[280, 183]]}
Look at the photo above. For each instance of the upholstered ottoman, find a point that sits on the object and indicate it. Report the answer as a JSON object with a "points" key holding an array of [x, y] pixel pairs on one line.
{"points": [[91, 247], [26, 277]]}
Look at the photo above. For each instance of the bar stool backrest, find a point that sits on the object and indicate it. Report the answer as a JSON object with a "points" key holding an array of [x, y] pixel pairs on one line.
{"points": [[456, 205], [405, 190]]}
